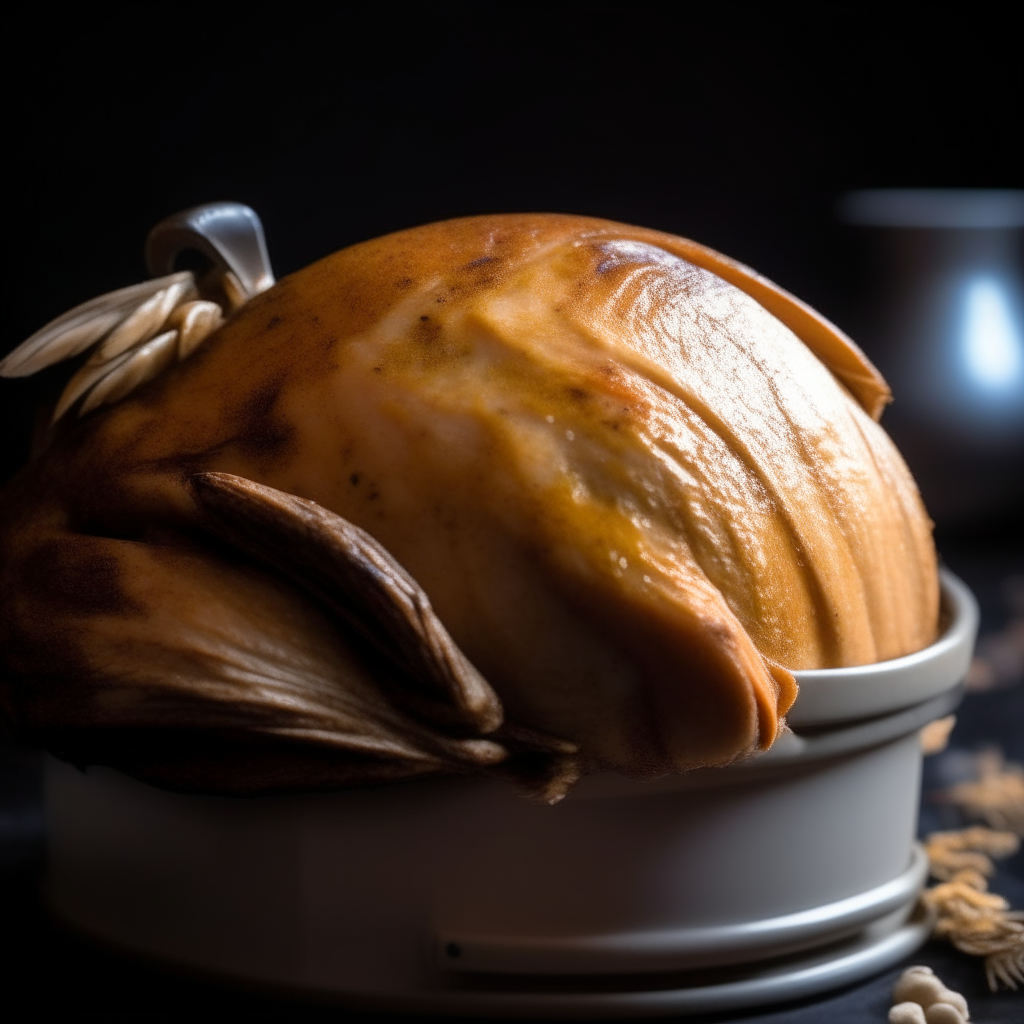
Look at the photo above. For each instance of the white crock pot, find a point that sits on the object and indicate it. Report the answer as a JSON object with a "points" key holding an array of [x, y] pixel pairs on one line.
{"points": [[722, 888]]}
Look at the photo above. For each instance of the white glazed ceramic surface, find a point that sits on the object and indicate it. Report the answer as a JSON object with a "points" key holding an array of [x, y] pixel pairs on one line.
{"points": [[459, 896]]}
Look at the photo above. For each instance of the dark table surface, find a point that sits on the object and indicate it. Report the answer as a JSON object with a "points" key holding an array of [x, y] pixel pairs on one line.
{"points": [[53, 972]]}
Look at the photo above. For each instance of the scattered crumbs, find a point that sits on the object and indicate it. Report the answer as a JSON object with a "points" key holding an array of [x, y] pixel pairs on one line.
{"points": [[570, 435], [550, 419], [614, 555], [623, 563], [647, 579]]}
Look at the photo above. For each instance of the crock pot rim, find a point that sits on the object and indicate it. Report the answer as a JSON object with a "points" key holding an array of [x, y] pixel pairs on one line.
{"points": [[829, 697], [963, 623]]}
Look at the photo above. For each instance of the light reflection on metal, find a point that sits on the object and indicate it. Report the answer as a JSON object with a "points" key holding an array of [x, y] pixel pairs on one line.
{"points": [[991, 340], [946, 327]]}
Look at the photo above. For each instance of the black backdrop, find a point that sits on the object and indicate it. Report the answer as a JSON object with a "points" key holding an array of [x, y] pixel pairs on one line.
{"points": [[734, 127]]}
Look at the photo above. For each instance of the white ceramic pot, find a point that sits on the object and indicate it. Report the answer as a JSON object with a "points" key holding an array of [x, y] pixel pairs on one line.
{"points": [[721, 888]]}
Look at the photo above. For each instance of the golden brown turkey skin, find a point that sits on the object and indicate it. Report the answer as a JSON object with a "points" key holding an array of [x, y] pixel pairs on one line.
{"points": [[634, 496]]}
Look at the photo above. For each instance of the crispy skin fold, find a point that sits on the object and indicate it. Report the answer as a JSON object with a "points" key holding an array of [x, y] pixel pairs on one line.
{"points": [[613, 486]]}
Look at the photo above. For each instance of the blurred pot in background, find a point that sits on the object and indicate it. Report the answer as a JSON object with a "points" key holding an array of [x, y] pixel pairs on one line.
{"points": [[947, 330]]}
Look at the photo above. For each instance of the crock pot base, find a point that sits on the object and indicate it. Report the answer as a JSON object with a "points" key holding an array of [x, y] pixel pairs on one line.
{"points": [[877, 947]]}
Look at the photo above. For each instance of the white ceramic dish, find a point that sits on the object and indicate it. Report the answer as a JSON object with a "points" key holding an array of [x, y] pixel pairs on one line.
{"points": [[458, 896]]}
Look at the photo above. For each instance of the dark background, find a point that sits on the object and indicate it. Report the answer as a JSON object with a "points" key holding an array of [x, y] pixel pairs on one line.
{"points": [[739, 128]]}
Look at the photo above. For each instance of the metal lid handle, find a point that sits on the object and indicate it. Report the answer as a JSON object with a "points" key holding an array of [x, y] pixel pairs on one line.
{"points": [[229, 234]]}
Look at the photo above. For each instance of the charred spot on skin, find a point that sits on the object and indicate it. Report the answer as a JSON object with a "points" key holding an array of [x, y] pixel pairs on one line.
{"points": [[260, 433], [483, 261], [260, 404], [373, 496], [577, 394], [354, 479], [271, 440], [273, 322], [404, 283], [378, 369], [427, 331]]}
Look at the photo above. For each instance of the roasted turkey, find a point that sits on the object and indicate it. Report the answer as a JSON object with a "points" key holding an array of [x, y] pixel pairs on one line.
{"points": [[526, 495]]}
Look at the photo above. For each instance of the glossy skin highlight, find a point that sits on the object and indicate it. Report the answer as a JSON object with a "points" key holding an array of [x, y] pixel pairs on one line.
{"points": [[635, 497]]}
